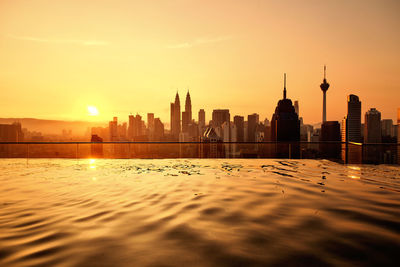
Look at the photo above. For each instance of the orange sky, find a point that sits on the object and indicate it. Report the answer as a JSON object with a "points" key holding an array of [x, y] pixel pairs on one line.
{"points": [[58, 57]]}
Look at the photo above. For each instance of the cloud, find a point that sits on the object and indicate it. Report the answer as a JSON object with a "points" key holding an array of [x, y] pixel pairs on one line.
{"points": [[61, 41], [200, 41]]}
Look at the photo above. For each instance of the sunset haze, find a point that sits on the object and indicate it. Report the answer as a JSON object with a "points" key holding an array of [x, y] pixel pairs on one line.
{"points": [[57, 58]]}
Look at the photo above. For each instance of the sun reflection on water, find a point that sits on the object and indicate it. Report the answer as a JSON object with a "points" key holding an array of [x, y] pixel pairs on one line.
{"points": [[354, 172], [92, 164]]}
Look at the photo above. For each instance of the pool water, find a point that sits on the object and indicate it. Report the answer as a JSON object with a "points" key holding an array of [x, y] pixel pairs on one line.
{"points": [[201, 212]]}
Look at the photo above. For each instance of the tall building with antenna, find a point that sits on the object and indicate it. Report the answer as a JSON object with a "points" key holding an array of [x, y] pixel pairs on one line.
{"points": [[330, 130], [324, 87], [285, 123]]}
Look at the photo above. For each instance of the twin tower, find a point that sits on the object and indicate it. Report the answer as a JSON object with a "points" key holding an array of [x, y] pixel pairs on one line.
{"points": [[176, 115]]}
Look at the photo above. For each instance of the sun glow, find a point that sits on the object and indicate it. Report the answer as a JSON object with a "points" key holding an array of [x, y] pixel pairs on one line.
{"points": [[92, 110]]}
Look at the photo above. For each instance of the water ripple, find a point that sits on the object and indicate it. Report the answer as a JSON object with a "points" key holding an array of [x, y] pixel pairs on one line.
{"points": [[236, 212]]}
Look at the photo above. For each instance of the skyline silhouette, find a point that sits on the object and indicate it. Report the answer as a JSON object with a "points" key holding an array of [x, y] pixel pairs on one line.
{"points": [[285, 125], [181, 122]]}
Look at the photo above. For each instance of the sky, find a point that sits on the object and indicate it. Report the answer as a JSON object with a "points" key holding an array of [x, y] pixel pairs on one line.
{"points": [[122, 57]]}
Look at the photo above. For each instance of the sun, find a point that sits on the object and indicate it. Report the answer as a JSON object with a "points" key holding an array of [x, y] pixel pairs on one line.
{"points": [[92, 110]]}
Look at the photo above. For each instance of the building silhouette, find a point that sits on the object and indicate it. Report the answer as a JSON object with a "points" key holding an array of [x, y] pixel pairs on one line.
{"points": [[267, 130], [136, 128], [387, 127], [351, 127], [372, 130], [330, 137], [252, 122], [158, 130], [324, 87], [372, 153], [330, 131], [239, 123], [351, 131], [389, 131], [176, 118], [202, 121], [131, 125], [113, 128], [11, 132], [285, 123], [228, 133], [188, 106], [187, 114], [219, 116], [150, 125], [202, 118]]}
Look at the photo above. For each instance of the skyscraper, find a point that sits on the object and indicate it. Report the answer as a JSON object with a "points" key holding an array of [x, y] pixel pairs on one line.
{"points": [[202, 118], [150, 122], [239, 123], [131, 130], [187, 114], [330, 136], [135, 127], [219, 116], [158, 129], [11, 132], [372, 132], [285, 124], [188, 107], [121, 128], [252, 122], [387, 128], [176, 117], [324, 87], [330, 131], [113, 128], [352, 122], [202, 121]]}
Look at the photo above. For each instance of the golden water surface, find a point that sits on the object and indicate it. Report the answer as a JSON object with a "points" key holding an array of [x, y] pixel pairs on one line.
{"points": [[204, 212]]}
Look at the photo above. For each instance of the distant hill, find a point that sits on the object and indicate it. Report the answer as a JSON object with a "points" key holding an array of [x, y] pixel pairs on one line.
{"points": [[53, 126]]}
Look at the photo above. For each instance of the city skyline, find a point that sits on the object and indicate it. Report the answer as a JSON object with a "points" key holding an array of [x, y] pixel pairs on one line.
{"points": [[92, 111], [230, 55]]}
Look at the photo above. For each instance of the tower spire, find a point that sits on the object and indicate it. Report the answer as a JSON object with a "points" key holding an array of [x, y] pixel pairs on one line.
{"points": [[284, 86], [324, 87]]}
